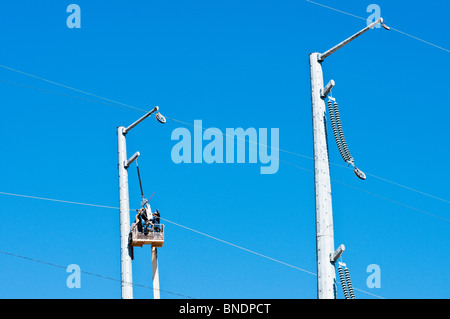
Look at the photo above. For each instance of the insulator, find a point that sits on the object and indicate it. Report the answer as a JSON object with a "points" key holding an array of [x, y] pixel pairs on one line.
{"points": [[333, 110], [335, 130], [343, 284], [348, 157], [349, 283]]}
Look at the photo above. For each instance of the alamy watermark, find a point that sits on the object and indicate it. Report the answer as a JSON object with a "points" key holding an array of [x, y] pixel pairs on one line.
{"points": [[74, 279], [74, 19], [221, 147], [375, 11], [374, 279]]}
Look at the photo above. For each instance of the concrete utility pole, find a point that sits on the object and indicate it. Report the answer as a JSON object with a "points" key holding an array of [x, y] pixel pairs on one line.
{"points": [[125, 248], [326, 255], [156, 294]]}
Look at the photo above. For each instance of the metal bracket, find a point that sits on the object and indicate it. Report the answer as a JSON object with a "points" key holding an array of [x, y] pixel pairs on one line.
{"points": [[131, 159], [155, 109], [337, 253], [321, 57], [324, 92]]}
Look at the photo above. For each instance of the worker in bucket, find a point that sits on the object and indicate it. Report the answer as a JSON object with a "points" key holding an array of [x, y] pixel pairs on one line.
{"points": [[144, 219], [156, 220]]}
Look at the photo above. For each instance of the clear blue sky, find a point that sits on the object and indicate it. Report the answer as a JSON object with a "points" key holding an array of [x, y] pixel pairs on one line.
{"points": [[230, 64]]}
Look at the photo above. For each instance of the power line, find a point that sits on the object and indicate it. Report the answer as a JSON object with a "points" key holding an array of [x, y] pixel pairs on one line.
{"points": [[397, 30], [340, 11], [67, 87], [134, 284], [281, 150], [125, 105], [311, 158], [258, 254], [291, 164], [58, 200], [182, 226], [172, 222], [239, 247], [373, 194], [89, 273], [66, 95], [226, 242], [395, 183], [196, 126]]}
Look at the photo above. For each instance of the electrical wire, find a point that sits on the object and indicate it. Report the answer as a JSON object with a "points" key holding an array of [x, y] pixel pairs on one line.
{"points": [[68, 87], [58, 200], [281, 150], [196, 126], [187, 228], [397, 30], [116, 103], [239, 247], [90, 273], [132, 107], [371, 193], [221, 240], [340, 11], [167, 220], [67, 95]]}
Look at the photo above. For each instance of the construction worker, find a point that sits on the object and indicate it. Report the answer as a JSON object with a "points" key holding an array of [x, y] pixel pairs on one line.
{"points": [[137, 220], [144, 219], [156, 219]]}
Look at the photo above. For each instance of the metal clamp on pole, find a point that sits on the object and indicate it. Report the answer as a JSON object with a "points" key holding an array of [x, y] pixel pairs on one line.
{"points": [[337, 253], [324, 92], [132, 159]]}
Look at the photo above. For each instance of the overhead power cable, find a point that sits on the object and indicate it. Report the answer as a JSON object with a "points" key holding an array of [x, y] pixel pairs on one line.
{"points": [[187, 228], [68, 87], [90, 273], [365, 19], [116, 103], [373, 194], [169, 221], [209, 236]]}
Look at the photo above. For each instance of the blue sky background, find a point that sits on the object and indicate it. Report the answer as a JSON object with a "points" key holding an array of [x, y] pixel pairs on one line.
{"points": [[230, 64]]}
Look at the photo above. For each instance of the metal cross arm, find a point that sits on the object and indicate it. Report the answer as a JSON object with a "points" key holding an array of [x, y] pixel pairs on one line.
{"points": [[338, 252], [324, 92], [155, 109], [132, 159], [346, 41]]}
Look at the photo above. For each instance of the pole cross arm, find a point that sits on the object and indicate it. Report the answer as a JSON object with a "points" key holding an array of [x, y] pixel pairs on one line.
{"points": [[337, 253], [348, 40], [324, 92], [132, 159], [155, 109]]}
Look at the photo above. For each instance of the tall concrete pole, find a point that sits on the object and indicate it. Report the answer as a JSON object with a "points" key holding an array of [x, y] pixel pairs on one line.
{"points": [[326, 274], [325, 253], [123, 164], [125, 249], [156, 294]]}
